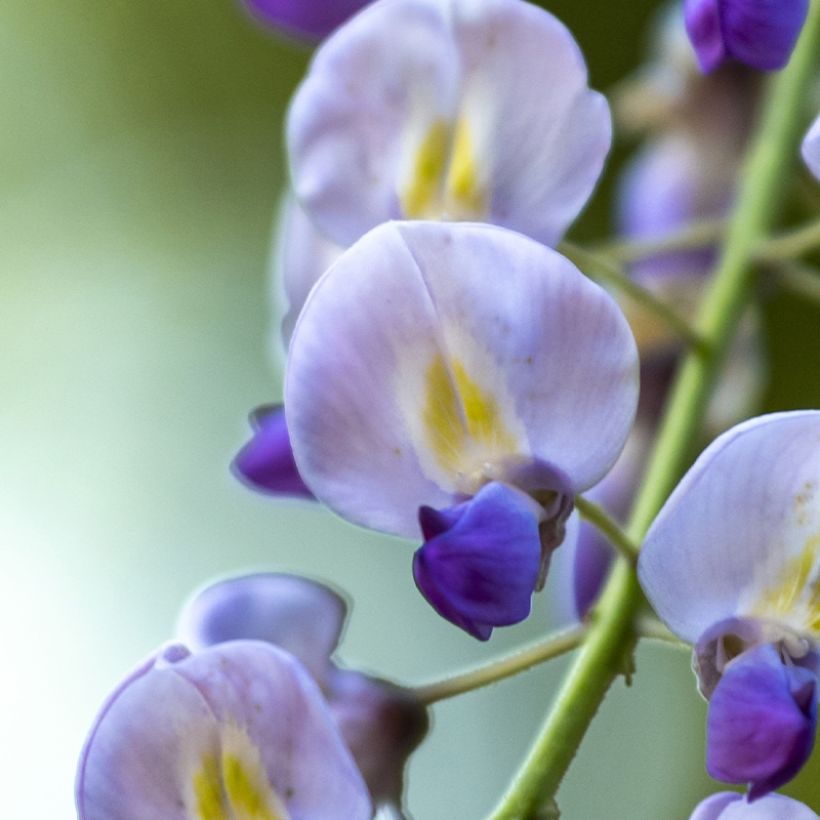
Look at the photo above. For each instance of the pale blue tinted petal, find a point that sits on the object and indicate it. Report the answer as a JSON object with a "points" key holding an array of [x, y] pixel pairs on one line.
{"points": [[153, 744], [390, 72], [738, 527], [545, 356], [811, 148], [733, 806], [301, 616]]}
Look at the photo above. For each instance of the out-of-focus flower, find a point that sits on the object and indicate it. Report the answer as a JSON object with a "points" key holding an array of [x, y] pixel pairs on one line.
{"points": [[470, 377], [236, 730], [307, 19], [811, 148], [458, 110], [381, 723], [733, 806], [266, 462], [732, 565], [758, 33]]}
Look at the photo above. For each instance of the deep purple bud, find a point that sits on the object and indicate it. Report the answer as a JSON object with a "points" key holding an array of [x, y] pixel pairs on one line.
{"points": [[758, 33], [382, 725], [266, 462], [480, 563], [762, 721], [308, 19]]}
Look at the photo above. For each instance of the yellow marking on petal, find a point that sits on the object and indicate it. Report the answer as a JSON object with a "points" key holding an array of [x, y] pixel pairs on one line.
{"points": [[795, 598], [421, 196], [458, 415], [464, 194], [235, 787]]}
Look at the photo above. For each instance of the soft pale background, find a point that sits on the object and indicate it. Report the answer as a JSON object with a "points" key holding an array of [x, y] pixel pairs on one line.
{"points": [[139, 168]]}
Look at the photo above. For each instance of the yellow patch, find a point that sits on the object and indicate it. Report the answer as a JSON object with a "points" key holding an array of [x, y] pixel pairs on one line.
{"points": [[422, 195], [234, 788], [459, 416], [795, 598], [464, 195], [444, 183]]}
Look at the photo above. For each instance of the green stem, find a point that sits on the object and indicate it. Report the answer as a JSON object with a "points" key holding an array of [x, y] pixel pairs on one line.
{"points": [[800, 280], [656, 630], [691, 237], [790, 245], [497, 670], [604, 270], [612, 637], [601, 520]]}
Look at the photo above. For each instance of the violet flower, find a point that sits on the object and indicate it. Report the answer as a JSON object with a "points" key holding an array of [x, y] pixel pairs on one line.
{"points": [[732, 806], [758, 33], [447, 109], [307, 19], [811, 148], [379, 722], [238, 730], [466, 381], [732, 565]]}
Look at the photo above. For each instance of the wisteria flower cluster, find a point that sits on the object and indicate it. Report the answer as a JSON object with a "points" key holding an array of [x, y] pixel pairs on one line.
{"points": [[460, 375]]}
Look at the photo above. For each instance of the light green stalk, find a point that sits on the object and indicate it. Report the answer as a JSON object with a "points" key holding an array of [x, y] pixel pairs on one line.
{"points": [[612, 637]]}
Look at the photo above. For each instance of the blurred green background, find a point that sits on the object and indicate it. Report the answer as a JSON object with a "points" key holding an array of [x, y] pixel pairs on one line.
{"points": [[140, 165]]}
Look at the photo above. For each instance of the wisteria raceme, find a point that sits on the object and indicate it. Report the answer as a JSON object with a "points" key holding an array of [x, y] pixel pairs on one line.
{"points": [[447, 109], [307, 19], [235, 730], [731, 565], [732, 806], [380, 723], [811, 148], [759, 33], [464, 381]]}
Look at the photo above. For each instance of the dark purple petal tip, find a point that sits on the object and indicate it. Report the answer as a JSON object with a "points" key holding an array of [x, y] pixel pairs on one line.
{"points": [[306, 19], [762, 721], [266, 462], [758, 33], [480, 567]]}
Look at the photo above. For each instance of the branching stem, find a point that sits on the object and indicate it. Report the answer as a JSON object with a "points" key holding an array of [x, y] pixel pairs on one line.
{"points": [[601, 520]]}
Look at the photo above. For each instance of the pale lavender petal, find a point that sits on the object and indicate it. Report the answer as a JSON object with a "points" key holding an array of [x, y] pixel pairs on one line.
{"points": [[479, 565], [266, 462], [160, 747], [476, 111], [733, 806], [738, 528], [762, 721], [382, 725], [303, 617], [759, 33], [415, 314], [310, 19], [811, 148]]}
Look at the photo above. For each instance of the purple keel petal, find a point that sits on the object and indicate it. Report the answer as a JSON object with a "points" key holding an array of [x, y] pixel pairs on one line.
{"points": [[298, 615], [733, 806], [758, 33], [762, 721], [266, 462], [381, 724], [482, 571], [310, 19]]}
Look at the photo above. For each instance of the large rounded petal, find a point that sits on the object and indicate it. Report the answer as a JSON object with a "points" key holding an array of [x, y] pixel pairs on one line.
{"points": [[733, 806], [811, 148], [205, 735], [301, 616], [451, 109], [433, 357], [740, 536]]}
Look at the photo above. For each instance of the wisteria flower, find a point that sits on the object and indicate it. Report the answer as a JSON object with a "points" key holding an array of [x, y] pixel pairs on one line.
{"points": [[307, 19], [447, 109], [239, 730], [381, 723], [732, 806], [732, 565], [811, 148], [465, 381], [759, 33]]}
